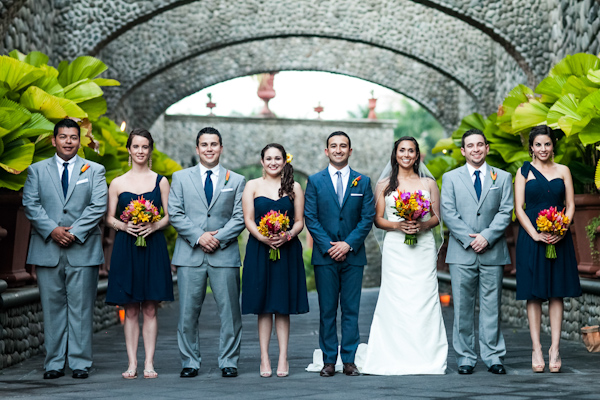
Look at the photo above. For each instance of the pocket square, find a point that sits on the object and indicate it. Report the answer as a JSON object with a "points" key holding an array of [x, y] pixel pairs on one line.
{"points": [[227, 190], [82, 181], [494, 188], [356, 194]]}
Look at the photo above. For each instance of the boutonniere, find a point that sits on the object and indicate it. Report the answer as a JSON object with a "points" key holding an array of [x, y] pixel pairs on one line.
{"points": [[85, 168], [494, 176], [226, 178], [356, 180]]}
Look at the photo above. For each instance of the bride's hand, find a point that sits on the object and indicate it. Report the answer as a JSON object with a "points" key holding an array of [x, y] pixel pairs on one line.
{"points": [[408, 227]]}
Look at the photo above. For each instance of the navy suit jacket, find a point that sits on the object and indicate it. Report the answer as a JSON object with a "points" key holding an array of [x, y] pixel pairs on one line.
{"points": [[327, 221]]}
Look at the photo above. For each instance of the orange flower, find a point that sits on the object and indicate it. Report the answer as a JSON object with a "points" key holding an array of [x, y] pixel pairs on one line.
{"points": [[494, 176], [226, 178], [85, 168], [356, 180]]}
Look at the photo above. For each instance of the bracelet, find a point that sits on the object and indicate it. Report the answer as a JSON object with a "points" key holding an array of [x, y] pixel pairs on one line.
{"points": [[115, 226]]}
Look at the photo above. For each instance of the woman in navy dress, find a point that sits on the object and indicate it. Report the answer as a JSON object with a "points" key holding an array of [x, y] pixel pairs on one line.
{"points": [[274, 288], [139, 277], [539, 185]]}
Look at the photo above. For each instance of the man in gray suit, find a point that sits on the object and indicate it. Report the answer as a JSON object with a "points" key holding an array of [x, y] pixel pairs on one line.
{"points": [[477, 203], [205, 207], [65, 198]]}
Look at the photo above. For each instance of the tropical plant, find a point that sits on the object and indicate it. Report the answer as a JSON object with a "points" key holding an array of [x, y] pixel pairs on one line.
{"points": [[34, 96]]}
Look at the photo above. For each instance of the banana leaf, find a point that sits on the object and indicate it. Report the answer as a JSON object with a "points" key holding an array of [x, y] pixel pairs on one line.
{"points": [[17, 158], [551, 88], [12, 181], [563, 114], [164, 165], [511, 152], [94, 108], [16, 74], [43, 148], [12, 116], [111, 163], [519, 95], [84, 91], [577, 64], [84, 67], [35, 58], [438, 166], [36, 126], [49, 82], [590, 105], [591, 133], [594, 76], [529, 114], [52, 107], [581, 87], [106, 82]]}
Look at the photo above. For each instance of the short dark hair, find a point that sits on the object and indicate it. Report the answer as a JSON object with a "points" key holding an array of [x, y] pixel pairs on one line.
{"points": [[66, 123], [339, 133], [472, 132], [541, 130], [209, 131], [140, 132]]}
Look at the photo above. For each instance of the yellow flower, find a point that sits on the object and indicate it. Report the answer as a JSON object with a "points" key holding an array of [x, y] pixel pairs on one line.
{"points": [[288, 158]]}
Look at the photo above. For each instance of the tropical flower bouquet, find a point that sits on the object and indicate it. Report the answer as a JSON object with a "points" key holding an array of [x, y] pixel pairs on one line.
{"points": [[272, 224], [140, 211], [411, 206], [554, 222]]}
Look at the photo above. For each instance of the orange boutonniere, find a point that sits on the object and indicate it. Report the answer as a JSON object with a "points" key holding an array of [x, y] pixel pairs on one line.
{"points": [[85, 168], [494, 176], [356, 180], [226, 178]]}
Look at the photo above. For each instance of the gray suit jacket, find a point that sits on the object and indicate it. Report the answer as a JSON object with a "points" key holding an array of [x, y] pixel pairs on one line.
{"points": [[464, 214], [83, 208], [191, 216]]}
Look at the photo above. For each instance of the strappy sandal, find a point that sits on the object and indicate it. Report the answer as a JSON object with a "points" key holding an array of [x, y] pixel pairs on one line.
{"points": [[150, 374], [130, 374]]}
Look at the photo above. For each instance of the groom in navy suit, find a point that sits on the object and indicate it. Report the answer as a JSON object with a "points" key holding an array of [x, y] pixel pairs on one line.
{"points": [[339, 212]]}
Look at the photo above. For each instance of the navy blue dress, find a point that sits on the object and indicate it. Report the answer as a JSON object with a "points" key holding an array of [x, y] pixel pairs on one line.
{"points": [[537, 276], [137, 273], [274, 287]]}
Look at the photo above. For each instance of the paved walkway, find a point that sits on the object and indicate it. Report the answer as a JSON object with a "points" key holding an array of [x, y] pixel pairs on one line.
{"points": [[580, 378]]}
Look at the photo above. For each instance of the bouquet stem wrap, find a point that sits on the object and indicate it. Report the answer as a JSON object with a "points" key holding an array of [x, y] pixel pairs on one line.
{"points": [[550, 251], [554, 222], [272, 224], [411, 206]]}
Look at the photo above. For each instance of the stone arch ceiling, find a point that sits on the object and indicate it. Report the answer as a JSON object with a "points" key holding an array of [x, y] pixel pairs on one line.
{"points": [[435, 91], [436, 39]]}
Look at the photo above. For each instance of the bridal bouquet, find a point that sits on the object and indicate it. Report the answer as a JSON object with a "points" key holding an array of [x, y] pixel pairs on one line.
{"points": [[554, 222], [140, 211], [272, 224], [411, 206]]}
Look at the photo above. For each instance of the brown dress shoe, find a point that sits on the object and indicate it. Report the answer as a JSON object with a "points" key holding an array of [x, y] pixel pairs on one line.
{"points": [[328, 370], [350, 369]]}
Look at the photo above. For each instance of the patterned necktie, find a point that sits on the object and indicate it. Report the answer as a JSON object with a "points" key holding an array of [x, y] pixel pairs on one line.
{"points": [[208, 187], [65, 179], [477, 184], [340, 188]]}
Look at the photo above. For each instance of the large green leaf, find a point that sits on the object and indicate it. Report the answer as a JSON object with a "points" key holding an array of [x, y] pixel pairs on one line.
{"points": [[18, 158], [36, 126], [94, 108], [511, 152], [581, 87], [17, 74], [52, 107], [471, 121], [106, 82], [519, 95], [12, 116], [591, 133], [111, 163], [43, 148], [84, 91], [84, 67], [49, 82], [551, 88], [12, 181], [590, 105], [577, 64], [594, 76], [563, 114], [164, 165], [529, 114], [444, 144]]}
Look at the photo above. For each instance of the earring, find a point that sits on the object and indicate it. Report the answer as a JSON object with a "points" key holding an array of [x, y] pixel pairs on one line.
{"points": [[264, 174], [532, 156], [553, 156], [129, 162], [150, 162]]}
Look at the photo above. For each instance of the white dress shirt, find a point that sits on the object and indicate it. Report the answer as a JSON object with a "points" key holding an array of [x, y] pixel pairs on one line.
{"points": [[70, 167], [334, 178], [214, 178], [482, 175]]}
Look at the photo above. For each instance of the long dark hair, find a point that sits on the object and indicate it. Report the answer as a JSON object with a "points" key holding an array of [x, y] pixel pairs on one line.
{"points": [[541, 130], [287, 175], [393, 183]]}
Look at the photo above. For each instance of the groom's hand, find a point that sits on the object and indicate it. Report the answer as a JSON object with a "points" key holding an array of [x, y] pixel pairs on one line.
{"points": [[479, 244], [208, 242], [338, 250]]}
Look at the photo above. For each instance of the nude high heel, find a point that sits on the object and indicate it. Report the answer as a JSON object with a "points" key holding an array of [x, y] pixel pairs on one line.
{"points": [[554, 363], [537, 367]]}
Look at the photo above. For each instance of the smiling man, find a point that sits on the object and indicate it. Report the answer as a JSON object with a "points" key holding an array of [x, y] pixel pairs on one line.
{"points": [[205, 207], [65, 199], [477, 204], [339, 212]]}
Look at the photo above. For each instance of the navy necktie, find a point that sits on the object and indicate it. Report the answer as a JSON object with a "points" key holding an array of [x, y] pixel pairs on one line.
{"points": [[65, 179], [340, 188], [208, 187], [477, 184]]}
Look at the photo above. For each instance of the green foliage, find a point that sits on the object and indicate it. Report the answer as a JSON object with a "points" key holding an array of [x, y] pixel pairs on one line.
{"points": [[591, 231], [34, 96]]}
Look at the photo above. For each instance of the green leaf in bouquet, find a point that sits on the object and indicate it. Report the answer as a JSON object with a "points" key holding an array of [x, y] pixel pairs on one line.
{"points": [[529, 114], [12, 181], [36, 126], [551, 88], [16, 74], [591, 133], [94, 108], [577, 64], [17, 158], [106, 82], [84, 67], [519, 95], [12, 116]]}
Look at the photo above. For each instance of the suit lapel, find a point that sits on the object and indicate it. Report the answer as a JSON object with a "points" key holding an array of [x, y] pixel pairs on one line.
{"points": [[196, 178], [351, 176], [329, 184], [52, 171], [73, 179], [487, 184], [466, 179], [218, 186]]}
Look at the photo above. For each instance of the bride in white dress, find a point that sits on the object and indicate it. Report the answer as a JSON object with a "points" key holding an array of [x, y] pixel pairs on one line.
{"points": [[407, 335]]}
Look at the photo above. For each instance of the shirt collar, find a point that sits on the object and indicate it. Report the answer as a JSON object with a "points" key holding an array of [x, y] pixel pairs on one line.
{"points": [[472, 169], [333, 170], [215, 170], [60, 161]]}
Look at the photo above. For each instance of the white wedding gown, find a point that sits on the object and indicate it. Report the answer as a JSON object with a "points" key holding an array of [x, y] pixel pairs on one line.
{"points": [[407, 336]]}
